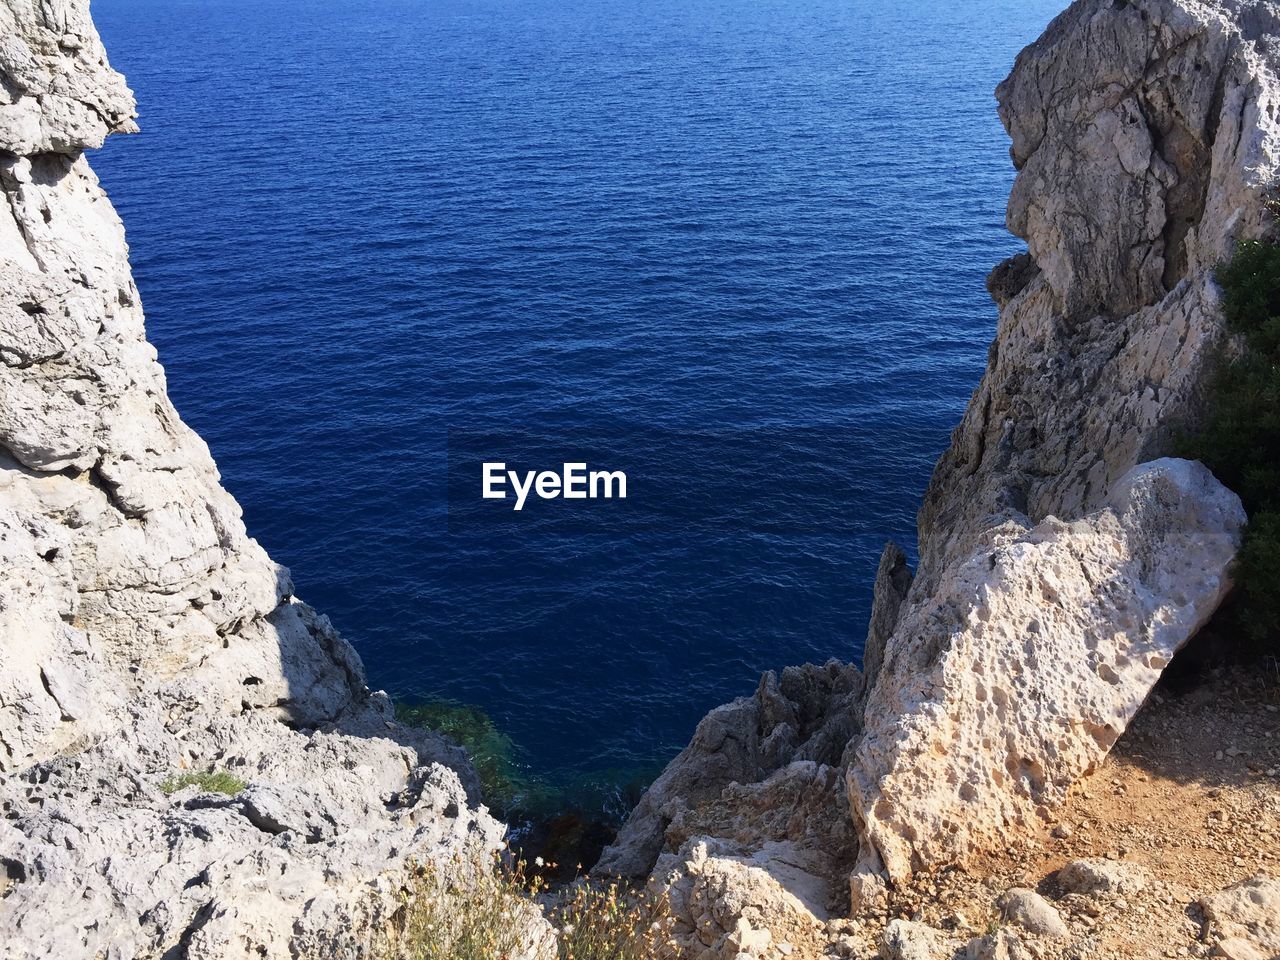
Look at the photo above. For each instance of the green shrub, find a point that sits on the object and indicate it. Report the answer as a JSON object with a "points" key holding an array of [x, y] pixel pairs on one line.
{"points": [[1259, 612], [216, 781], [1239, 439]]}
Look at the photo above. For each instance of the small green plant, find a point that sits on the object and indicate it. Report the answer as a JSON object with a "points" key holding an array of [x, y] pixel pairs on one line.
{"points": [[1239, 439], [216, 781], [492, 914]]}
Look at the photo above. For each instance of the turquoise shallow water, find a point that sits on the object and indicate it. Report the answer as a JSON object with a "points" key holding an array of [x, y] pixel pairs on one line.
{"points": [[739, 246]]}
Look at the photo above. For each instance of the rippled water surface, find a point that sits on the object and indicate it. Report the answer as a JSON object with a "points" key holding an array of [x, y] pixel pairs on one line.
{"points": [[694, 229]]}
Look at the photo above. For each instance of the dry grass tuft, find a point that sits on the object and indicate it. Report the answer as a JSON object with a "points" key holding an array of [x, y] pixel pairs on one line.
{"points": [[493, 915], [610, 923]]}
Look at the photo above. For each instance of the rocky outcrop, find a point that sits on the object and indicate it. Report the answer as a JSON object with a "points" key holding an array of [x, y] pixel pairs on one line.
{"points": [[57, 93], [888, 593], [143, 634], [304, 861], [1030, 659], [726, 904], [1145, 138], [801, 719], [1057, 575], [746, 835]]}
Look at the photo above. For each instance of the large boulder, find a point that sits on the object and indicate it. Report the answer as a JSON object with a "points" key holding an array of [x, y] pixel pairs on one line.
{"points": [[1100, 877], [1032, 912], [1028, 662]]}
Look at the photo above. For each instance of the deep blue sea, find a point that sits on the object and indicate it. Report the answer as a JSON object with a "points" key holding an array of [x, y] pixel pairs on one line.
{"points": [[739, 245]]}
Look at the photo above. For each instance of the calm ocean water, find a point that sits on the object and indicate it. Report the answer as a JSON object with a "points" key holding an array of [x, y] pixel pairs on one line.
{"points": [[716, 239]]}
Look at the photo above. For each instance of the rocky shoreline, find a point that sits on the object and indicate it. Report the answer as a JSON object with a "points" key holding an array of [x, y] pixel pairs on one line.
{"points": [[944, 800]]}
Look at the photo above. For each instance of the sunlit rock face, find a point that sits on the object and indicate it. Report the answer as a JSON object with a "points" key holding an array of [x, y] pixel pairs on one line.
{"points": [[143, 634], [1062, 561], [1145, 138], [1030, 659]]}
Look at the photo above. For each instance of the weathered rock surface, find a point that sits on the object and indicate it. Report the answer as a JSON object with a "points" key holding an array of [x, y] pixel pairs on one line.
{"points": [[1029, 661], [746, 833], [1244, 919], [889, 592], [769, 851], [1003, 944], [1145, 137], [1055, 582], [726, 904], [1097, 876], [142, 632], [805, 713], [905, 940], [57, 94], [302, 862]]}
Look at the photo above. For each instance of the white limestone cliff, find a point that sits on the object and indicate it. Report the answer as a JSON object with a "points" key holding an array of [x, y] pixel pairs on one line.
{"points": [[1146, 141], [1062, 563], [143, 634]]}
